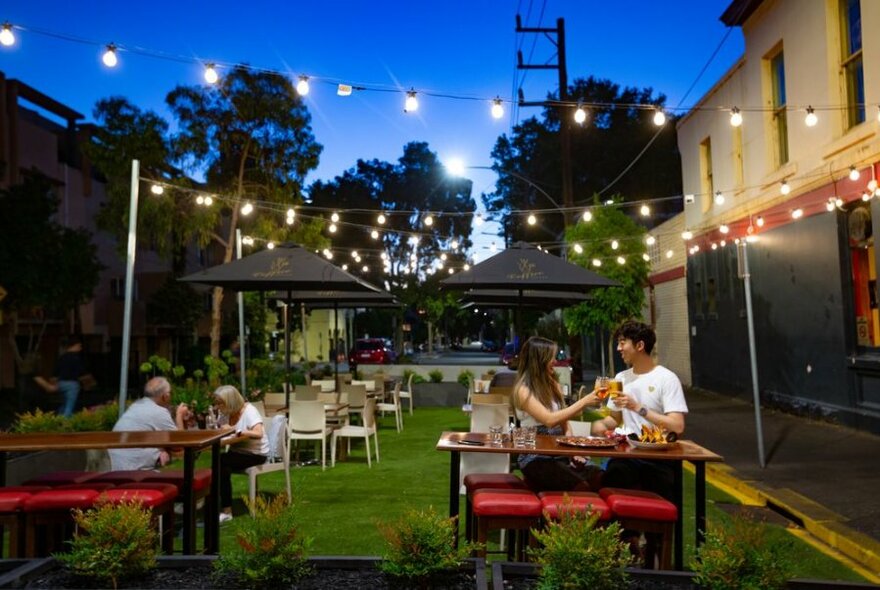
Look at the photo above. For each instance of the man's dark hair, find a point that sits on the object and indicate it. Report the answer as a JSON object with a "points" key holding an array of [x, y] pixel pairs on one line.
{"points": [[637, 332]]}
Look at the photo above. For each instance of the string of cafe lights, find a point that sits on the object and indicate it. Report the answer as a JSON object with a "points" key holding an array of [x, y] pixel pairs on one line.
{"points": [[212, 71]]}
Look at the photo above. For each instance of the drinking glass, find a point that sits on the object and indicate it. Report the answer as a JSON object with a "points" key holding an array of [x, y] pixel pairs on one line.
{"points": [[602, 387], [496, 435], [615, 387], [530, 438], [519, 437]]}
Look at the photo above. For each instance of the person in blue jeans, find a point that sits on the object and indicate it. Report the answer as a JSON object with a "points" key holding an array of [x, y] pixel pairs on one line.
{"points": [[70, 368]]}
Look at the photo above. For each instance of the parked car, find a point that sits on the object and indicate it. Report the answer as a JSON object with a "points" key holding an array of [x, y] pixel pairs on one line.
{"points": [[488, 346], [509, 356], [372, 351]]}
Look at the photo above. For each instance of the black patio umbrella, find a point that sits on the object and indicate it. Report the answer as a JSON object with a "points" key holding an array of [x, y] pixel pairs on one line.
{"points": [[510, 298], [287, 268], [521, 269], [333, 299]]}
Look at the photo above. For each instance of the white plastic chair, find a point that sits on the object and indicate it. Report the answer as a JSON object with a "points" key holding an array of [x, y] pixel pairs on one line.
{"points": [[580, 428], [355, 395], [326, 385], [365, 432], [308, 422], [408, 393], [393, 406], [279, 458], [482, 417], [261, 408], [305, 393]]}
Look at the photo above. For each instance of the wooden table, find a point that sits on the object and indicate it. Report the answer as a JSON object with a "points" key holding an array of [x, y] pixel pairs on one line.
{"points": [[190, 441], [332, 409], [546, 445]]}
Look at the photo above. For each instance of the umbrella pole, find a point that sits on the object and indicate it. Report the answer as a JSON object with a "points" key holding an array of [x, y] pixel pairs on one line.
{"points": [[287, 351], [336, 343], [517, 339], [241, 340]]}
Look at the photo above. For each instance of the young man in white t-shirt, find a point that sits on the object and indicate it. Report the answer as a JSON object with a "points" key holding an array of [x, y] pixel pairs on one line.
{"points": [[652, 396]]}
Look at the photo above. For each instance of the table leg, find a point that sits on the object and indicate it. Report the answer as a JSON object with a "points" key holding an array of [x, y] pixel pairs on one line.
{"points": [[678, 488], [454, 474], [212, 504], [700, 501], [189, 505]]}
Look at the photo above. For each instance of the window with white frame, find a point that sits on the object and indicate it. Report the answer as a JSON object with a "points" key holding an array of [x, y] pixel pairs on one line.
{"points": [[778, 102], [851, 61]]}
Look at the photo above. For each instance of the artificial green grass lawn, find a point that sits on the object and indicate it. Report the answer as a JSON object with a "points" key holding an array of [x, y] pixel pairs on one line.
{"points": [[340, 507]]}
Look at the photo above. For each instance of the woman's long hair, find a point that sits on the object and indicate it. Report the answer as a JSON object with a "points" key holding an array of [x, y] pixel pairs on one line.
{"points": [[232, 399], [536, 373]]}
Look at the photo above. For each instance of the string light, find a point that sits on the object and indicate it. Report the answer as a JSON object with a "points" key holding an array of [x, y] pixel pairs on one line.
{"points": [[208, 201], [872, 185], [374, 234], [344, 267], [615, 244], [451, 270], [659, 118], [381, 219], [454, 244], [247, 208], [289, 221], [578, 248], [580, 115], [532, 220], [724, 229], [332, 228], [646, 258], [669, 254], [7, 37], [621, 260], [687, 235], [497, 108], [587, 216], [429, 220], [110, 58], [719, 198], [411, 104], [853, 173], [866, 196], [478, 220], [365, 268], [354, 254], [271, 245], [302, 86], [724, 242], [798, 213], [467, 267], [784, 188], [200, 200], [736, 118], [838, 202], [157, 189], [811, 119], [210, 74], [645, 210], [650, 240], [442, 256], [759, 221], [597, 263], [714, 246], [334, 217]]}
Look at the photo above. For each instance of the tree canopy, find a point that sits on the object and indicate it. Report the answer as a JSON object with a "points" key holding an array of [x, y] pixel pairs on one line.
{"points": [[601, 149]]}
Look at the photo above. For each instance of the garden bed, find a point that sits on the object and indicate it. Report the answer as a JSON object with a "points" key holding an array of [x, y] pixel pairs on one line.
{"points": [[198, 572], [524, 576]]}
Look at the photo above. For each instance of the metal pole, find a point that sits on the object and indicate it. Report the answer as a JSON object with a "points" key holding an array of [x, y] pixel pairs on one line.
{"points": [[287, 347], [302, 322], [241, 339], [753, 358], [129, 283]]}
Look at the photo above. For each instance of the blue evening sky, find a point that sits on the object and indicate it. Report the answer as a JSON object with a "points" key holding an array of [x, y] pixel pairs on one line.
{"points": [[451, 46]]}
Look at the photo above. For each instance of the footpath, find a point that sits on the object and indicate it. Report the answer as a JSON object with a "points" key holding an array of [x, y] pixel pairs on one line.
{"points": [[824, 477]]}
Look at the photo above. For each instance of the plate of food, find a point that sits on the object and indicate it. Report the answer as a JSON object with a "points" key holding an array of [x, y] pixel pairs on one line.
{"points": [[586, 442], [655, 439]]}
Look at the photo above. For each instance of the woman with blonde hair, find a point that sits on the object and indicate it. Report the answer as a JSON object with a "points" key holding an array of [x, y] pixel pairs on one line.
{"points": [[538, 401], [246, 422]]}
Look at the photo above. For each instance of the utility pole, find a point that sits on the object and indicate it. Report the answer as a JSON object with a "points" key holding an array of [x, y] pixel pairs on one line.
{"points": [[564, 120]]}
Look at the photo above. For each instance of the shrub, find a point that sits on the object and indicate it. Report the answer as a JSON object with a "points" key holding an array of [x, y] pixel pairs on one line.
{"points": [[421, 544], [465, 377], [96, 419], [269, 550], [40, 421], [416, 377], [741, 557], [577, 554], [114, 541], [436, 376]]}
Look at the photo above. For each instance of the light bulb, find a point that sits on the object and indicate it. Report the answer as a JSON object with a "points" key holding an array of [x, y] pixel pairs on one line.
{"points": [[714, 246], [587, 216], [291, 213], [109, 58], [290, 221], [578, 248], [344, 267], [736, 118], [719, 198], [374, 234], [467, 267], [478, 220], [580, 115], [829, 206], [853, 173], [7, 37], [669, 254], [645, 210], [759, 221], [302, 86], [621, 260], [157, 189], [838, 201], [354, 254], [687, 235], [451, 270], [532, 220], [334, 217], [872, 185], [650, 240], [646, 258], [497, 108], [797, 213], [723, 228], [381, 219], [412, 103], [443, 256], [724, 242], [247, 208], [211, 75], [271, 245], [208, 201], [200, 200], [597, 263], [866, 196], [811, 119], [332, 228], [784, 188], [365, 268], [659, 118], [614, 244], [429, 220], [454, 244]]}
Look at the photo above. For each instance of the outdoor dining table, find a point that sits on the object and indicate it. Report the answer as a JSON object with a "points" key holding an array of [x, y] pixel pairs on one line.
{"points": [[686, 450], [190, 441], [331, 409]]}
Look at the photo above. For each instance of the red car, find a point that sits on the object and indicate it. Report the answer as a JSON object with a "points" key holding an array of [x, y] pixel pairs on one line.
{"points": [[509, 356], [371, 351]]}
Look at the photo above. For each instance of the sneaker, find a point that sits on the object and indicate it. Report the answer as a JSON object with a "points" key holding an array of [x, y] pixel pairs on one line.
{"points": [[225, 517]]}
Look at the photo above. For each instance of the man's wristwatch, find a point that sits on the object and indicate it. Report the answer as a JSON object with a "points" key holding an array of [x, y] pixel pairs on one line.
{"points": [[643, 411]]}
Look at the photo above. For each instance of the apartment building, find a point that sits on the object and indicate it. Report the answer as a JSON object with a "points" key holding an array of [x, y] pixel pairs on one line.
{"points": [[782, 154]]}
